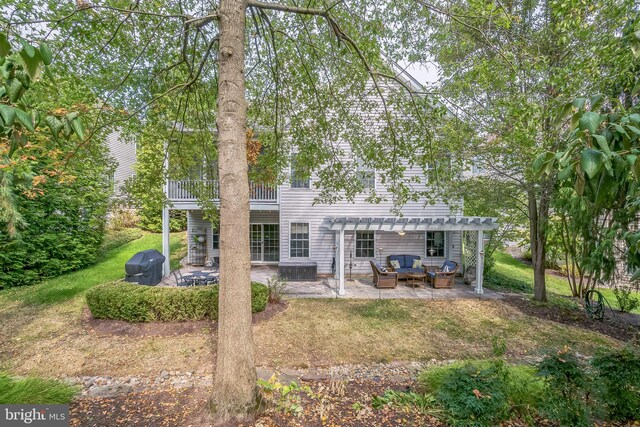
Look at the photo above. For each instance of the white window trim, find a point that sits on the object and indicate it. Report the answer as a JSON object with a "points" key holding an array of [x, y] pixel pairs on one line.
{"points": [[446, 244], [355, 243], [360, 164], [289, 246], [291, 176]]}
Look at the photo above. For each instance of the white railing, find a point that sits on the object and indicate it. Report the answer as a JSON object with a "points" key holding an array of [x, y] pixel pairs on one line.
{"points": [[189, 190]]}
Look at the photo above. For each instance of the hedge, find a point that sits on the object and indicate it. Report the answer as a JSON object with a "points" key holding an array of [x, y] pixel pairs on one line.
{"points": [[136, 303]]}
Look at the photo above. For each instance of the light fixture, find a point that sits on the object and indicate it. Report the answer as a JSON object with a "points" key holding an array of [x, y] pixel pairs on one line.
{"points": [[401, 233]]}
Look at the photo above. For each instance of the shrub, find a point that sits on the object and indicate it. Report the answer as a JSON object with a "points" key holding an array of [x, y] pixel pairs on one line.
{"points": [[276, 285], [618, 383], [34, 391], [567, 389], [482, 393], [121, 218], [626, 302], [136, 303]]}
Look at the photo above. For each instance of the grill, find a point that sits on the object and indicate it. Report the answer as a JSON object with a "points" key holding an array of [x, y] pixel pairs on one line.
{"points": [[145, 268]]}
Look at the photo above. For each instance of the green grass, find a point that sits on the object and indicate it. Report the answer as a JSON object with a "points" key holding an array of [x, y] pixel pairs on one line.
{"points": [[109, 268], [557, 287], [34, 391]]}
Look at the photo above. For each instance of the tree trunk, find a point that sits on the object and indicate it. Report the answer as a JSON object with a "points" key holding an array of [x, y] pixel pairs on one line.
{"points": [[537, 235], [234, 395]]}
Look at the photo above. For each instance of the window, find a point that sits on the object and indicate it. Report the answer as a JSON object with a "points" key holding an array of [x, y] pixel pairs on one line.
{"points": [[298, 180], [215, 240], [366, 175], [477, 166], [435, 244], [299, 240], [365, 244]]}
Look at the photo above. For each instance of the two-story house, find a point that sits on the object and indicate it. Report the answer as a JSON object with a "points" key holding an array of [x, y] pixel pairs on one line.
{"points": [[288, 229]]}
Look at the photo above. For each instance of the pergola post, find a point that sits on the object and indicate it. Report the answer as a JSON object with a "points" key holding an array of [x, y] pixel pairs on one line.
{"points": [[479, 262], [166, 251], [340, 264]]}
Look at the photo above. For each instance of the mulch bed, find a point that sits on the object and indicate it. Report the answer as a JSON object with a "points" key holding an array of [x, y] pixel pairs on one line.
{"points": [[154, 408], [331, 404], [621, 326], [162, 329]]}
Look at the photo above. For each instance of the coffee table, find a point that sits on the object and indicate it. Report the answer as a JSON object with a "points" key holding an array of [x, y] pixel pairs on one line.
{"points": [[416, 279]]}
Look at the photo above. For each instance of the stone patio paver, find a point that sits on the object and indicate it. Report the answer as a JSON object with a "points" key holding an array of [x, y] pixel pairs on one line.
{"points": [[359, 288]]}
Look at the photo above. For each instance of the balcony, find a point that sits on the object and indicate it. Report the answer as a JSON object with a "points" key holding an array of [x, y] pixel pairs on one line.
{"points": [[187, 190]]}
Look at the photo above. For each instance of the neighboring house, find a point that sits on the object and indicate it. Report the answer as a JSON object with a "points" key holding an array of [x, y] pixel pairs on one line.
{"points": [[624, 271], [124, 154], [303, 238]]}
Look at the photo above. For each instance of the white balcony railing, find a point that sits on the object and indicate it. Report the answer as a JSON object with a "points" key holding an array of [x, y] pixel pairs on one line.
{"points": [[189, 190]]}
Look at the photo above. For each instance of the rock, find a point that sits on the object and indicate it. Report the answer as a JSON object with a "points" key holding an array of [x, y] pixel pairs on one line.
{"points": [[264, 373], [109, 390], [207, 382], [398, 379], [314, 376], [164, 374], [183, 384]]}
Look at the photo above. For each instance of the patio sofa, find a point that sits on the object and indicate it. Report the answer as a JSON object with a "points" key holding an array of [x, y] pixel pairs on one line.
{"points": [[406, 265], [383, 278], [442, 277]]}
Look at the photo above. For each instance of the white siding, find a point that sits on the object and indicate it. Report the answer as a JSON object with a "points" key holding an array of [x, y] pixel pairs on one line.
{"points": [[124, 154]]}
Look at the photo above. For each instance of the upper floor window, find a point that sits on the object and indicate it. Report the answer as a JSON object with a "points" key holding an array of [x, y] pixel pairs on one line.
{"points": [[298, 180], [435, 244], [299, 240], [477, 166], [366, 175], [365, 244]]}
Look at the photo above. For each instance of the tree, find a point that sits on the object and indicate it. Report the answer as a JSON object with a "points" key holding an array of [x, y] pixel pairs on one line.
{"points": [[508, 71]]}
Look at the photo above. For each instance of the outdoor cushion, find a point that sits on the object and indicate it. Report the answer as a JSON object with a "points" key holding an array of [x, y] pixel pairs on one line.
{"points": [[395, 264], [449, 265], [417, 263], [431, 274], [405, 261], [379, 267]]}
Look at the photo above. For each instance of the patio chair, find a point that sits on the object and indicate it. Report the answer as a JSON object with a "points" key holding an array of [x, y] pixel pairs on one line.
{"points": [[383, 278], [181, 280], [442, 277]]}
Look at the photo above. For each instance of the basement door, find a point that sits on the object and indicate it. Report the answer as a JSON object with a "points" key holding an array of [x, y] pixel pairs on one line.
{"points": [[265, 242]]}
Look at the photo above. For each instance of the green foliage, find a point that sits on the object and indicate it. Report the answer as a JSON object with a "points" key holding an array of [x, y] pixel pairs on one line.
{"points": [[277, 286], [107, 269], [618, 382], [34, 391], [482, 393], [567, 388], [116, 238], [625, 299], [135, 303], [286, 397], [424, 403]]}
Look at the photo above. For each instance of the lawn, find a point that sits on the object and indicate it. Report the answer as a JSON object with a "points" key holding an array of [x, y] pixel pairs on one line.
{"points": [[109, 268], [45, 330], [556, 285]]}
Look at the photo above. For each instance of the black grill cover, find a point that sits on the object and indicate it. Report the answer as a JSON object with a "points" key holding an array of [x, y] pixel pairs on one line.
{"points": [[145, 267]]}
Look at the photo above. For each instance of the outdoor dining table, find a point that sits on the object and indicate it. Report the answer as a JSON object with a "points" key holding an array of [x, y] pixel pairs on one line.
{"points": [[202, 277]]}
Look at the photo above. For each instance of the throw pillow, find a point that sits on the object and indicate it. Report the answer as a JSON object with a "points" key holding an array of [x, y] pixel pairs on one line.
{"points": [[395, 264], [446, 268], [417, 263], [384, 270]]}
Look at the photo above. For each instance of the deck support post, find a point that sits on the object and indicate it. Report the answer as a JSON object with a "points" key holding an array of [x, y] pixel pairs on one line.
{"points": [[166, 251], [479, 262], [340, 264]]}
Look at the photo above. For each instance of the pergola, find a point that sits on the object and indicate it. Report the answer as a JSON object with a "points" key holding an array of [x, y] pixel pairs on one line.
{"points": [[405, 224]]}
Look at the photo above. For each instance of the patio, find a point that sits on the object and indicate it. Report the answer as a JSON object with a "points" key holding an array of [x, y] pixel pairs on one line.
{"points": [[363, 288]]}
